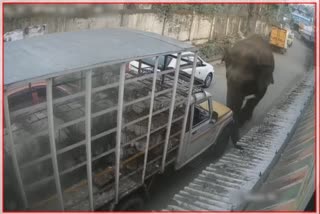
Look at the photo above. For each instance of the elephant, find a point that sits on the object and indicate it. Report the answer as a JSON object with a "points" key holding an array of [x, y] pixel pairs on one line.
{"points": [[249, 72]]}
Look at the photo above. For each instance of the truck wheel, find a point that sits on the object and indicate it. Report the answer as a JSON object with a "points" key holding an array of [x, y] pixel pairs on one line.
{"points": [[222, 142], [134, 203], [207, 81]]}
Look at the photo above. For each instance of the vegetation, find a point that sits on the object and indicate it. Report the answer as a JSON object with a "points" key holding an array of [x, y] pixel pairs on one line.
{"points": [[269, 12]]}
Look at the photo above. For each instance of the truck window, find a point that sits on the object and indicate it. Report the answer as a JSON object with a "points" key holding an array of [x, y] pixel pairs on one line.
{"points": [[200, 114]]}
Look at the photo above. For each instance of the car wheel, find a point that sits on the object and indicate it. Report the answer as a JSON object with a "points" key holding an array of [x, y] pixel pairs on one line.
{"points": [[207, 81]]}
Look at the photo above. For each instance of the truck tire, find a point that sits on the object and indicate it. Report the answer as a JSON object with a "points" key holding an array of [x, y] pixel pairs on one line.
{"points": [[133, 203], [222, 142]]}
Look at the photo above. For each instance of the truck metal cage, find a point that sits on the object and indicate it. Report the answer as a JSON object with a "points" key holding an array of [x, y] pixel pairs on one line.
{"points": [[81, 128]]}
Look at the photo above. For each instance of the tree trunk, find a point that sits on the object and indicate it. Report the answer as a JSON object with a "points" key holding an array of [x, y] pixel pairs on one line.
{"points": [[211, 29], [249, 18], [164, 25], [191, 26]]}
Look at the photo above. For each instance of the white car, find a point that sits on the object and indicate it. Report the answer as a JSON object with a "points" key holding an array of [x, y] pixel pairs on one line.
{"points": [[204, 71]]}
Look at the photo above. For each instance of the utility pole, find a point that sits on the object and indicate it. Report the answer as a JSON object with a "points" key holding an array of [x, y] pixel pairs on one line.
{"points": [[279, 12]]}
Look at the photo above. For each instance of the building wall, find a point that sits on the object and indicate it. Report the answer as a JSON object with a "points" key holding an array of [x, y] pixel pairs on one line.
{"points": [[182, 26]]}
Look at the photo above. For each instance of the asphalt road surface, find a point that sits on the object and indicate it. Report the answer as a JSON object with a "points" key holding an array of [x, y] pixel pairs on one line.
{"points": [[289, 68]]}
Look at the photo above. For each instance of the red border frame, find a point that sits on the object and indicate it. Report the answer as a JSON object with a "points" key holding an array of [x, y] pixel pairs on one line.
{"points": [[316, 75]]}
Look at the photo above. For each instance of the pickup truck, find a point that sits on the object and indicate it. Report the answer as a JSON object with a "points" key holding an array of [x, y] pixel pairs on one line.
{"points": [[84, 132]]}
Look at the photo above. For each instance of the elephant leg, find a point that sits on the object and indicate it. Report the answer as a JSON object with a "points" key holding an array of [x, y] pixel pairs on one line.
{"points": [[234, 99], [234, 102], [247, 111]]}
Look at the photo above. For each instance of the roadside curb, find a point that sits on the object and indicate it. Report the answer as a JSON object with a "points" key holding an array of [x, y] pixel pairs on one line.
{"points": [[216, 61]]}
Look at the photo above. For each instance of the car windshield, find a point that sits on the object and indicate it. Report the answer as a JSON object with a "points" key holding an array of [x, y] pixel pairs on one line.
{"points": [[152, 61], [185, 60]]}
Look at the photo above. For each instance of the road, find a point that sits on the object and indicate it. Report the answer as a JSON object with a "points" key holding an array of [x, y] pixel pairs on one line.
{"points": [[289, 68]]}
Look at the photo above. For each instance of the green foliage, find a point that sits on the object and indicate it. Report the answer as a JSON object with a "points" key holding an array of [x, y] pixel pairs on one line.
{"points": [[203, 9], [210, 50]]}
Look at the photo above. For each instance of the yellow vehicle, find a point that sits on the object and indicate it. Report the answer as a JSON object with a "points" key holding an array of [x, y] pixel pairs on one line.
{"points": [[278, 38]]}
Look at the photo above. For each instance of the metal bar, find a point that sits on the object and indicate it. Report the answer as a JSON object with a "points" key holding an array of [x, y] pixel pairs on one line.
{"points": [[37, 183], [32, 138], [69, 97], [73, 168], [153, 131], [135, 121], [66, 81], [161, 142], [103, 154], [70, 123], [166, 72], [150, 118], [139, 78], [88, 136], [136, 101], [131, 173], [163, 92], [33, 162], [139, 68], [30, 186], [176, 76], [160, 111], [73, 146], [13, 151], [48, 156], [96, 114], [53, 142], [104, 87], [180, 152], [119, 128], [55, 101], [27, 109], [102, 134]]}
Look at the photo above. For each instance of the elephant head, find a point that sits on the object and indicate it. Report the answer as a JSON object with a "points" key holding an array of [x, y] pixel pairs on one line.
{"points": [[249, 72]]}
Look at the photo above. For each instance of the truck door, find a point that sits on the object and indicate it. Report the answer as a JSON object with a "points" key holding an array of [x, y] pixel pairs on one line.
{"points": [[200, 132]]}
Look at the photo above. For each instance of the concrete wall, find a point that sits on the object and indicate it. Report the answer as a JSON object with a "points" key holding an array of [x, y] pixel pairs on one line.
{"points": [[185, 27]]}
